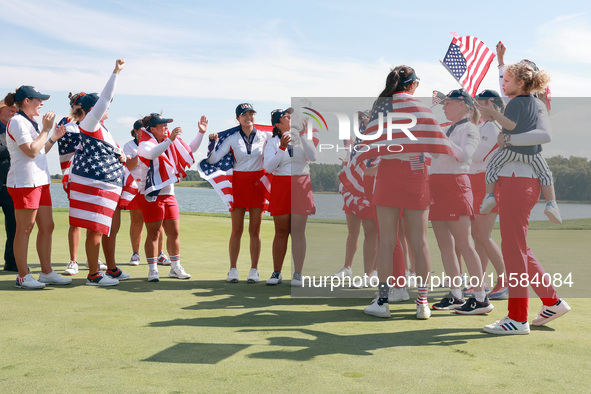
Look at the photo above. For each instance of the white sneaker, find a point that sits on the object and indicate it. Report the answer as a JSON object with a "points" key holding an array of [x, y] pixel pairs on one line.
{"points": [[28, 282], [507, 326], [488, 203], [253, 276], [549, 313], [153, 276], [101, 280], [178, 272], [377, 310], [296, 280], [423, 311], [232, 275], [135, 260], [275, 279], [553, 212], [53, 278], [163, 259], [344, 273], [72, 268], [102, 266], [397, 295], [117, 274]]}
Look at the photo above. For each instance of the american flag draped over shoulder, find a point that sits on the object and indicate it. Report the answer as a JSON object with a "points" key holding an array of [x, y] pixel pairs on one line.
{"points": [[168, 168], [219, 175], [430, 138], [96, 180], [66, 148], [468, 60]]}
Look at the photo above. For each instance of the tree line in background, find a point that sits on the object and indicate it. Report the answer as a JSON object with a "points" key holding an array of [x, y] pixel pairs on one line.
{"points": [[572, 177]]}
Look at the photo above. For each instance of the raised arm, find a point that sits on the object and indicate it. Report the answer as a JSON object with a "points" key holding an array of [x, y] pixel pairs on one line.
{"points": [[92, 119], [309, 149], [199, 137], [217, 154]]}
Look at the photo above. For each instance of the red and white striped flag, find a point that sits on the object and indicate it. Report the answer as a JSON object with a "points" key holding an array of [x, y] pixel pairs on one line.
{"points": [[429, 136], [468, 60]]}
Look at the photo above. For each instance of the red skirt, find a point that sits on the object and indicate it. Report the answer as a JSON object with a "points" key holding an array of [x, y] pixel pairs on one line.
{"points": [[478, 183], [451, 197], [291, 195], [400, 187], [246, 193]]}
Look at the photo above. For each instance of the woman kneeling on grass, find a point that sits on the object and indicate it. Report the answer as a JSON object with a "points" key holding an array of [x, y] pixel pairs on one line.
{"points": [[162, 152]]}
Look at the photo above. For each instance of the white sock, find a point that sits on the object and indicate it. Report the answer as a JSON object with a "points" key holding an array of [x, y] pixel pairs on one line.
{"points": [[457, 293]]}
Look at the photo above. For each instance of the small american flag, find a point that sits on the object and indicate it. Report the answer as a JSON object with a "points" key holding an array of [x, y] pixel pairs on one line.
{"points": [[468, 60], [96, 181], [438, 97], [168, 168], [68, 143], [219, 175]]}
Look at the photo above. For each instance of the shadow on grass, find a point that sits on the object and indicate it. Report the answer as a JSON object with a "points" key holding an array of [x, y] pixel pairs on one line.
{"points": [[323, 343], [319, 344], [197, 353]]}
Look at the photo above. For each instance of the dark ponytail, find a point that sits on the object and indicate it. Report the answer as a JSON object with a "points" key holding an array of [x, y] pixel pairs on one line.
{"points": [[9, 100], [276, 131], [395, 81]]}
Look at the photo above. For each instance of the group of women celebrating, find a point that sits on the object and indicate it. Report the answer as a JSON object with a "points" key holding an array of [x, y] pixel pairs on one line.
{"points": [[448, 193], [405, 193], [99, 178]]}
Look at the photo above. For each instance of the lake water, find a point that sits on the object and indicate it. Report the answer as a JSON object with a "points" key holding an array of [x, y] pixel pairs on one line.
{"points": [[328, 205]]}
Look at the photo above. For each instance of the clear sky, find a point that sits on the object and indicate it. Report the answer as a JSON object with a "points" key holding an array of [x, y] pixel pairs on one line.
{"points": [[188, 58]]}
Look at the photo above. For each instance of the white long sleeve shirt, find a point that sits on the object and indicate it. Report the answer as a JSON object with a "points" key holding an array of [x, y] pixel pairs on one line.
{"points": [[150, 151], [247, 162], [488, 139], [91, 122], [278, 161], [464, 141]]}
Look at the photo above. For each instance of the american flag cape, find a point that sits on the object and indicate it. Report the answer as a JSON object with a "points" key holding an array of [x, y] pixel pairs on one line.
{"points": [[468, 60], [169, 168], [130, 189], [430, 138], [219, 175], [96, 180], [67, 146]]}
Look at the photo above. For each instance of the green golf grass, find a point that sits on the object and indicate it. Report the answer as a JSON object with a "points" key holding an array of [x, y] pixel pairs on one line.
{"points": [[205, 335]]}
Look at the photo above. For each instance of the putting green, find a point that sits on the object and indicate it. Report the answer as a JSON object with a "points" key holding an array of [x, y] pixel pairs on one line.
{"points": [[204, 335]]}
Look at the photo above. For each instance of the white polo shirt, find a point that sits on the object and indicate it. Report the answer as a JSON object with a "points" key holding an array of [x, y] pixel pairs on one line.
{"points": [[25, 171]]}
